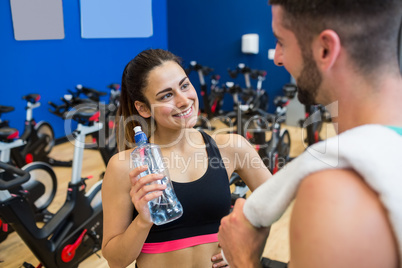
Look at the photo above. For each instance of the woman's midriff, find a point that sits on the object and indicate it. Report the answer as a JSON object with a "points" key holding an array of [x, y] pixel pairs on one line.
{"points": [[193, 257]]}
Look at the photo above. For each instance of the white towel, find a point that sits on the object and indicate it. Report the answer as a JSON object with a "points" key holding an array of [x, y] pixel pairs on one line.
{"points": [[373, 151]]}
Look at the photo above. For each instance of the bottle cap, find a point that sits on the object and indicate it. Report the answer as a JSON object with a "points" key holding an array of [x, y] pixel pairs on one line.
{"points": [[137, 129]]}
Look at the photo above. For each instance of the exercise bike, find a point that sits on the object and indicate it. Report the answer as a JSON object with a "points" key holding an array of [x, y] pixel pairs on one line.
{"points": [[257, 96], [315, 116], [253, 123], [38, 137], [39, 191], [202, 72], [75, 231], [105, 139]]}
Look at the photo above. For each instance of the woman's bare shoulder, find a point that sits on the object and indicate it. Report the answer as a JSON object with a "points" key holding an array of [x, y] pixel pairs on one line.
{"points": [[118, 165], [229, 142]]}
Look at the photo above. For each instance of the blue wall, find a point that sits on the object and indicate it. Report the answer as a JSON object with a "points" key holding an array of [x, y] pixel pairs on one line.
{"points": [[209, 32], [206, 31], [50, 67]]}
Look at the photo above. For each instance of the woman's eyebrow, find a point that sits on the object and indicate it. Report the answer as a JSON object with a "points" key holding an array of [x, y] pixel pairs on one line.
{"points": [[181, 81], [164, 90], [169, 88]]}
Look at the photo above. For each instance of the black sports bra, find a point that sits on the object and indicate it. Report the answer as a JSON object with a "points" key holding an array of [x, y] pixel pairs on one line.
{"points": [[205, 201]]}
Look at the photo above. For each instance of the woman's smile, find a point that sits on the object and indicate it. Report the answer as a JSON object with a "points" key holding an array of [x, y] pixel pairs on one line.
{"points": [[186, 113]]}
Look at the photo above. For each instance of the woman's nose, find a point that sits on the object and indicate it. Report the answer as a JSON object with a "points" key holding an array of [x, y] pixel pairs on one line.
{"points": [[182, 100]]}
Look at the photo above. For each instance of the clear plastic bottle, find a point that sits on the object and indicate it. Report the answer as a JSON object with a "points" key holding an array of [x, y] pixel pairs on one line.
{"points": [[167, 207]]}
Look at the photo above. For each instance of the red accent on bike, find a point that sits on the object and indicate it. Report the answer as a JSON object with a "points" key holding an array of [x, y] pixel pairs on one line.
{"points": [[276, 164], [316, 136], [287, 103], [4, 227], [68, 252], [248, 135], [306, 115], [94, 140], [111, 124], [37, 98], [15, 135], [90, 177], [257, 147], [95, 117], [213, 108], [29, 158]]}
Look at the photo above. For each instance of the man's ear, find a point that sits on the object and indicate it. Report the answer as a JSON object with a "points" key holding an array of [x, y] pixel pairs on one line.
{"points": [[327, 49], [142, 109]]}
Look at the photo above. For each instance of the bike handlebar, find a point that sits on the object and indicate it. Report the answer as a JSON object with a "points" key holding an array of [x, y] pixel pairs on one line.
{"points": [[84, 114], [22, 176], [114, 86], [91, 93], [32, 98], [255, 74], [194, 66], [243, 69]]}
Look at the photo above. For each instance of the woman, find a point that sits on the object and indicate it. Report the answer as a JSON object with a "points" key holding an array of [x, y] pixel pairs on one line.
{"points": [[157, 92]]}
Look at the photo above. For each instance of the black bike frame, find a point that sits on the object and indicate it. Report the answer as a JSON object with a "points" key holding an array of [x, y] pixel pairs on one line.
{"points": [[75, 231]]}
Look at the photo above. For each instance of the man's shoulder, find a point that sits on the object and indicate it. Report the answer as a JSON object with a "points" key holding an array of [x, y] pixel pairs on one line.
{"points": [[338, 210], [334, 183]]}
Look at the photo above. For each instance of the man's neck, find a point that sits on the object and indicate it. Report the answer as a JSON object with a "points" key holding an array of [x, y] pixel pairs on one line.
{"points": [[361, 102]]}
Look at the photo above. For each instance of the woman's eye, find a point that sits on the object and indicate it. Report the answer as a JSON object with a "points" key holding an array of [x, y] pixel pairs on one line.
{"points": [[166, 96], [185, 86]]}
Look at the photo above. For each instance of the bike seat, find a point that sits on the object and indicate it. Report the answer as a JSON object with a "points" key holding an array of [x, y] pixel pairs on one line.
{"points": [[86, 116], [32, 98], [6, 109], [281, 101], [290, 90], [8, 134]]}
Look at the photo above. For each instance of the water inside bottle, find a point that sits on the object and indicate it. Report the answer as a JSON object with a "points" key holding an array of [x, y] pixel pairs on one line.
{"points": [[165, 208]]}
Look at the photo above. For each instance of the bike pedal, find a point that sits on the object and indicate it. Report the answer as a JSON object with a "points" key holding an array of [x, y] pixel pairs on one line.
{"points": [[27, 265]]}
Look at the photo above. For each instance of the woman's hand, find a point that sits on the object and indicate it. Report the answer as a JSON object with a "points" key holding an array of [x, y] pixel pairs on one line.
{"points": [[218, 261], [143, 190]]}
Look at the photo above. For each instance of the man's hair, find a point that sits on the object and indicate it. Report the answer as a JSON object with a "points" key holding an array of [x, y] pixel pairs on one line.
{"points": [[368, 29]]}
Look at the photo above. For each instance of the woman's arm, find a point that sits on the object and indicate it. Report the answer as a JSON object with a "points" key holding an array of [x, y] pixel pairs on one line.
{"points": [[243, 159], [123, 237]]}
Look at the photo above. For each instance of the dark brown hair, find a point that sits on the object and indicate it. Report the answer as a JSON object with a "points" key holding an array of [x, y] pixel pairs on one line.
{"points": [[133, 84], [368, 29]]}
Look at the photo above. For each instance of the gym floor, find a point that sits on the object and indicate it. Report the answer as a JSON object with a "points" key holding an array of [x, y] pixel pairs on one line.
{"points": [[13, 252]]}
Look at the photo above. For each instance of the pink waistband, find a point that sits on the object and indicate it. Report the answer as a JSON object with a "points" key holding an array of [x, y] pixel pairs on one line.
{"points": [[161, 247]]}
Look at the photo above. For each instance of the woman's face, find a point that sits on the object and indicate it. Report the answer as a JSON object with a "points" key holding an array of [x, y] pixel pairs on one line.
{"points": [[172, 98]]}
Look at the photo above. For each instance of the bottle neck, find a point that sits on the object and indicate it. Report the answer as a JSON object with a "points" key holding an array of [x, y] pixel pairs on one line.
{"points": [[140, 138]]}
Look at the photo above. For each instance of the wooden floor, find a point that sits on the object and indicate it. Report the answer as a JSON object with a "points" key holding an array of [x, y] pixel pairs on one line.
{"points": [[13, 251]]}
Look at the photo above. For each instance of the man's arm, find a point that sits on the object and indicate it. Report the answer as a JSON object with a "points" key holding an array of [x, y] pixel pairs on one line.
{"points": [[338, 221], [241, 242]]}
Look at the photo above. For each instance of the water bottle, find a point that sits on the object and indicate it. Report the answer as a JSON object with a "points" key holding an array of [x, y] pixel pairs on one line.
{"points": [[165, 208]]}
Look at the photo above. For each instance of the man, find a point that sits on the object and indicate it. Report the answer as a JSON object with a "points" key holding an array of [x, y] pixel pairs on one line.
{"points": [[348, 200]]}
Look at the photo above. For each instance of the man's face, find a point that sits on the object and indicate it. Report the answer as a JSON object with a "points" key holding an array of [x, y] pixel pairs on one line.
{"points": [[299, 62]]}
